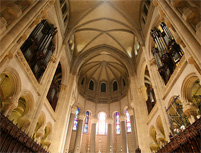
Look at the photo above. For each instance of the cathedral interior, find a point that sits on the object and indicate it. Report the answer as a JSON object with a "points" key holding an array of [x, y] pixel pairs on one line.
{"points": [[100, 76]]}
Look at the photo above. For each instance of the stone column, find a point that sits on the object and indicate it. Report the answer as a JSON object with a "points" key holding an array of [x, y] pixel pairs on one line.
{"points": [[186, 36], [70, 128], [93, 135], [78, 139], [124, 141], [138, 103], [10, 104], [109, 135], [134, 129], [44, 88], [160, 138], [158, 86], [191, 111]]}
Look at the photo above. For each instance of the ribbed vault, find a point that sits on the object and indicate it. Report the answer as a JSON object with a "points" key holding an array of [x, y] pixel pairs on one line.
{"points": [[101, 37]]}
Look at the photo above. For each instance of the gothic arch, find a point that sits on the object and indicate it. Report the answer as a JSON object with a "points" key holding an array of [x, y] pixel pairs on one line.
{"points": [[187, 85], [90, 112], [94, 51], [29, 101], [113, 113], [124, 109], [159, 125], [101, 111], [65, 70], [48, 130], [39, 129], [13, 74], [141, 72]]}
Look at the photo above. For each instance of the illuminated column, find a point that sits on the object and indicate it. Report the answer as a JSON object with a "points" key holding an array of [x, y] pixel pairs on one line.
{"points": [[93, 135], [133, 128], [124, 142], [79, 134], [70, 128], [190, 110], [12, 103], [109, 135]]}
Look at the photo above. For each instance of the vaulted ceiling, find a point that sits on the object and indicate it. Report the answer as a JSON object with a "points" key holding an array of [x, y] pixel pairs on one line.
{"points": [[101, 24], [112, 23]]}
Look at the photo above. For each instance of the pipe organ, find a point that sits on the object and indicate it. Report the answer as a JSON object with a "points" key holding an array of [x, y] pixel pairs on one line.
{"points": [[38, 48], [166, 52]]}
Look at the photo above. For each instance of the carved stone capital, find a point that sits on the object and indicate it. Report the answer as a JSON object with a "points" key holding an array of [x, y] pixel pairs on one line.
{"points": [[62, 87], [143, 92], [130, 112], [53, 59], [73, 109], [152, 61]]}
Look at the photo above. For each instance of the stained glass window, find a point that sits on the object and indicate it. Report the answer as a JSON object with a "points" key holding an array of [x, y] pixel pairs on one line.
{"points": [[128, 122], [117, 123], [86, 122], [101, 125], [76, 119]]}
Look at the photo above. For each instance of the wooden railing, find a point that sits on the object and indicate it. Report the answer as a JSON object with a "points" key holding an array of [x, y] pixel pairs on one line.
{"points": [[12, 139], [186, 141]]}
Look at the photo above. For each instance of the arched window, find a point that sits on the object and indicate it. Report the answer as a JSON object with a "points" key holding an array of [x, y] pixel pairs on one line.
{"points": [[91, 85], [86, 122], [38, 48], [76, 119], [82, 82], [101, 125], [115, 87], [128, 122], [53, 92], [103, 87], [176, 115], [196, 95], [117, 123]]}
